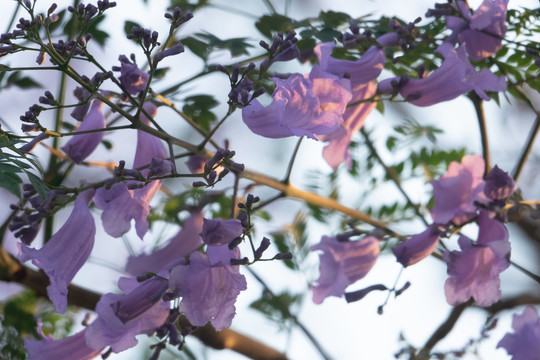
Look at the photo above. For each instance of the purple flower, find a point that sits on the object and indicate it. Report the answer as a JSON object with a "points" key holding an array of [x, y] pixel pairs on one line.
{"points": [[66, 252], [474, 271], [456, 76], [208, 292], [71, 348], [524, 343], [80, 146], [302, 106], [343, 263], [362, 74], [31, 145], [220, 232], [121, 317], [182, 244], [119, 204], [482, 32], [499, 185], [173, 50], [131, 77], [456, 192], [417, 247]]}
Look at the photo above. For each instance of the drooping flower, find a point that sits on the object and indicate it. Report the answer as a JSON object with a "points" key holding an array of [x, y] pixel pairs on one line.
{"points": [[119, 203], [80, 146], [362, 74], [456, 192], [220, 232], [71, 348], [456, 76], [342, 263], [182, 244], [524, 342], [66, 252], [499, 185], [481, 32], [133, 79], [121, 317], [474, 271], [417, 247], [302, 106], [208, 291]]}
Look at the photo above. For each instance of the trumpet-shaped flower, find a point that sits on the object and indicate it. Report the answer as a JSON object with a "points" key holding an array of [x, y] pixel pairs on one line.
{"points": [[456, 192], [481, 32], [71, 348], [119, 203], [133, 79], [417, 247], [80, 146], [121, 317], [302, 106], [524, 342], [66, 252], [220, 232], [343, 263], [362, 74], [474, 271], [456, 76], [208, 291]]}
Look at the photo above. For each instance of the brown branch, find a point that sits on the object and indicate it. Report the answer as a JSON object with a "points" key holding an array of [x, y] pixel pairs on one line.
{"points": [[11, 270]]}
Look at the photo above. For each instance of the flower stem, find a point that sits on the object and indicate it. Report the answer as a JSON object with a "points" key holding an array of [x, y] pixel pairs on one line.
{"points": [[526, 149]]}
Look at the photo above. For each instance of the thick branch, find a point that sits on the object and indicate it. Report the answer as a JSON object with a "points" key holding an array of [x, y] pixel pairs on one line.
{"points": [[11, 270]]}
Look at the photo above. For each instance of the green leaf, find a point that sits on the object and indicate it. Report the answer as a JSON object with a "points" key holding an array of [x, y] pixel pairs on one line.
{"points": [[40, 186], [334, 19], [276, 307], [23, 82], [11, 182], [161, 72], [197, 47], [198, 108], [128, 25], [269, 24], [236, 46]]}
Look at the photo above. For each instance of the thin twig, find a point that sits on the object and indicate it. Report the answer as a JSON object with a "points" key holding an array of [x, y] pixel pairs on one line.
{"points": [[291, 161], [479, 109], [526, 149]]}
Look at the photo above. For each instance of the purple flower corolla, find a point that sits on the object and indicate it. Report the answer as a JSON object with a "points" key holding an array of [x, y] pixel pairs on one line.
{"points": [[119, 204], [208, 292], [31, 145], [121, 317], [456, 192], [456, 76], [71, 348], [481, 32], [524, 342], [220, 232], [417, 247], [474, 271], [499, 185], [342, 263], [79, 147], [133, 79], [173, 50], [182, 244], [362, 74], [66, 252], [302, 106]]}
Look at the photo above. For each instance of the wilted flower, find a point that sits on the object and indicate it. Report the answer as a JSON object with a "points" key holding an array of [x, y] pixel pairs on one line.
{"points": [[66, 252], [80, 146], [343, 263], [474, 271]]}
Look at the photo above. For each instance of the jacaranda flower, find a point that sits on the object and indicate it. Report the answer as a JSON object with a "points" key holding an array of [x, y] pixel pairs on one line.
{"points": [[456, 76], [208, 291], [302, 106], [362, 74], [80, 146], [342, 263], [474, 271], [417, 247], [456, 192], [71, 348], [66, 252], [121, 317], [481, 33], [220, 232], [133, 79], [524, 342]]}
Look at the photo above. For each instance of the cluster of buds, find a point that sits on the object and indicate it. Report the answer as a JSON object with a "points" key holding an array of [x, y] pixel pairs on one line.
{"points": [[222, 158], [178, 17], [86, 12], [241, 85], [145, 37], [353, 38], [282, 49]]}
